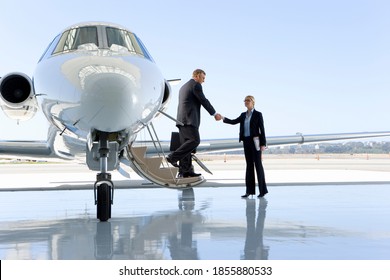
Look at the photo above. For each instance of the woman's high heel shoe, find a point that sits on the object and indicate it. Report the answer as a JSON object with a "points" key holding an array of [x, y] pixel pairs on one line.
{"points": [[262, 195]]}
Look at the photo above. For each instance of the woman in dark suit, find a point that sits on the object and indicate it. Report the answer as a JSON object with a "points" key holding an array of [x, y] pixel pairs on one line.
{"points": [[252, 134]]}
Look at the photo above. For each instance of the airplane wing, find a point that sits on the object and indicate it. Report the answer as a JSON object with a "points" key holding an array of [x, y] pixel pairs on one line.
{"points": [[52, 148], [218, 145], [32, 149], [146, 157], [46, 150]]}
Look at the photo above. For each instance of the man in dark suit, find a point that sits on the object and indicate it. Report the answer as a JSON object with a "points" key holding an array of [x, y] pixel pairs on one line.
{"points": [[252, 134], [191, 98]]}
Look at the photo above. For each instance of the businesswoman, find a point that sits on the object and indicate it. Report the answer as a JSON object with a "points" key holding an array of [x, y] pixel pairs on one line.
{"points": [[252, 134]]}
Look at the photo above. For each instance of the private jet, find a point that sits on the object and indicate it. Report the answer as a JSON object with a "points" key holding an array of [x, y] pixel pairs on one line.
{"points": [[98, 87]]}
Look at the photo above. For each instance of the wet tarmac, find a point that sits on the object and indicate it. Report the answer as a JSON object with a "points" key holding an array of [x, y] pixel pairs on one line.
{"points": [[315, 210], [298, 221]]}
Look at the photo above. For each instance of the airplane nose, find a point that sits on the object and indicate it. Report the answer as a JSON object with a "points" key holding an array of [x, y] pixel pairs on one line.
{"points": [[109, 101], [109, 89], [114, 99]]}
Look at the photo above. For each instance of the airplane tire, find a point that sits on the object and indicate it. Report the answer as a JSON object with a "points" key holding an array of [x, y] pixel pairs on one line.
{"points": [[104, 202]]}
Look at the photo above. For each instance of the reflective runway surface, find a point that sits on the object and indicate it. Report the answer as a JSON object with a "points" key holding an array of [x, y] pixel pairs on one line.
{"points": [[293, 222]]}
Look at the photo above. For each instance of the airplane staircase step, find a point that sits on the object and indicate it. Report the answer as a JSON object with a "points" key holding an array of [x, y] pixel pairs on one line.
{"points": [[153, 169]]}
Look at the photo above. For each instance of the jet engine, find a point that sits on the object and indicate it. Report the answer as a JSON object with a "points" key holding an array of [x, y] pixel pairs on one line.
{"points": [[18, 100], [166, 98]]}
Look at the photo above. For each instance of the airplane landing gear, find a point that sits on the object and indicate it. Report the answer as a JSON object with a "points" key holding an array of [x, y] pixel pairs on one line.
{"points": [[104, 193], [104, 187]]}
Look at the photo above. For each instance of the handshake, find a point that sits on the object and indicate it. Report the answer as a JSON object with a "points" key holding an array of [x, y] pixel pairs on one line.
{"points": [[218, 117]]}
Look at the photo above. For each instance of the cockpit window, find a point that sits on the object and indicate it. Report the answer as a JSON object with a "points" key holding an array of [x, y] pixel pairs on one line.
{"points": [[73, 38], [86, 38], [122, 38]]}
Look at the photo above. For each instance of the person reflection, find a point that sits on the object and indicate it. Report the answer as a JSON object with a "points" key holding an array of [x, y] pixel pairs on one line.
{"points": [[184, 248], [254, 248]]}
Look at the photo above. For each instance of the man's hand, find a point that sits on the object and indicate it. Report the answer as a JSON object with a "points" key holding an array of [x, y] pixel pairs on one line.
{"points": [[218, 117]]}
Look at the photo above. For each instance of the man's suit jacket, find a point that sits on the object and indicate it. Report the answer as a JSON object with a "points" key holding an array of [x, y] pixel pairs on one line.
{"points": [[191, 97], [256, 126]]}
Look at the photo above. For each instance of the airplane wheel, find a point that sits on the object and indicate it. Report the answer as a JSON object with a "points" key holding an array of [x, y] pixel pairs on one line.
{"points": [[104, 202]]}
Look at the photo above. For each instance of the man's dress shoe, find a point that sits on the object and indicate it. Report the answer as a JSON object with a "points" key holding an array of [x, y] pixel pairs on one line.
{"points": [[191, 174], [169, 159]]}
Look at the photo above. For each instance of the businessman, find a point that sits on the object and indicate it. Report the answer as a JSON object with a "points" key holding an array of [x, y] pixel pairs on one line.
{"points": [[191, 98]]}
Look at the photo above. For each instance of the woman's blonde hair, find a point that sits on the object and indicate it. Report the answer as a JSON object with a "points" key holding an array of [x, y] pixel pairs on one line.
{"points": [[251, 98]]}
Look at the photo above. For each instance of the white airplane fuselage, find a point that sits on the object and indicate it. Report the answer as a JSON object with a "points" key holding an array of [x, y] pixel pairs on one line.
{"points": [[98, 88]]}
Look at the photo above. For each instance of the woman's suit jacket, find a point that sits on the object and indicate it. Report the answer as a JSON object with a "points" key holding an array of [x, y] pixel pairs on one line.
{"points": [[256, 126]]}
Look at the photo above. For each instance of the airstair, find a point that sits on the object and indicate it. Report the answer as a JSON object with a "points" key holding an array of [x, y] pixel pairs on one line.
{"points": [[156, 169]]}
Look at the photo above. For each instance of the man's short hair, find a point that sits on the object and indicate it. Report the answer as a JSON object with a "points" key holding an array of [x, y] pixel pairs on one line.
{"points": [[197, 72]]}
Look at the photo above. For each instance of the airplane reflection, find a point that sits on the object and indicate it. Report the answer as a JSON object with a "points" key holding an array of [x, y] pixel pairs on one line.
{"points": [[212, 226], [151, 237], [103, 241], [162, 235]]}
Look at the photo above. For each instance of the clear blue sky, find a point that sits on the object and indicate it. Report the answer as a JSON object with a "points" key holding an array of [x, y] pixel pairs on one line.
{"points": [[313, 66]]}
